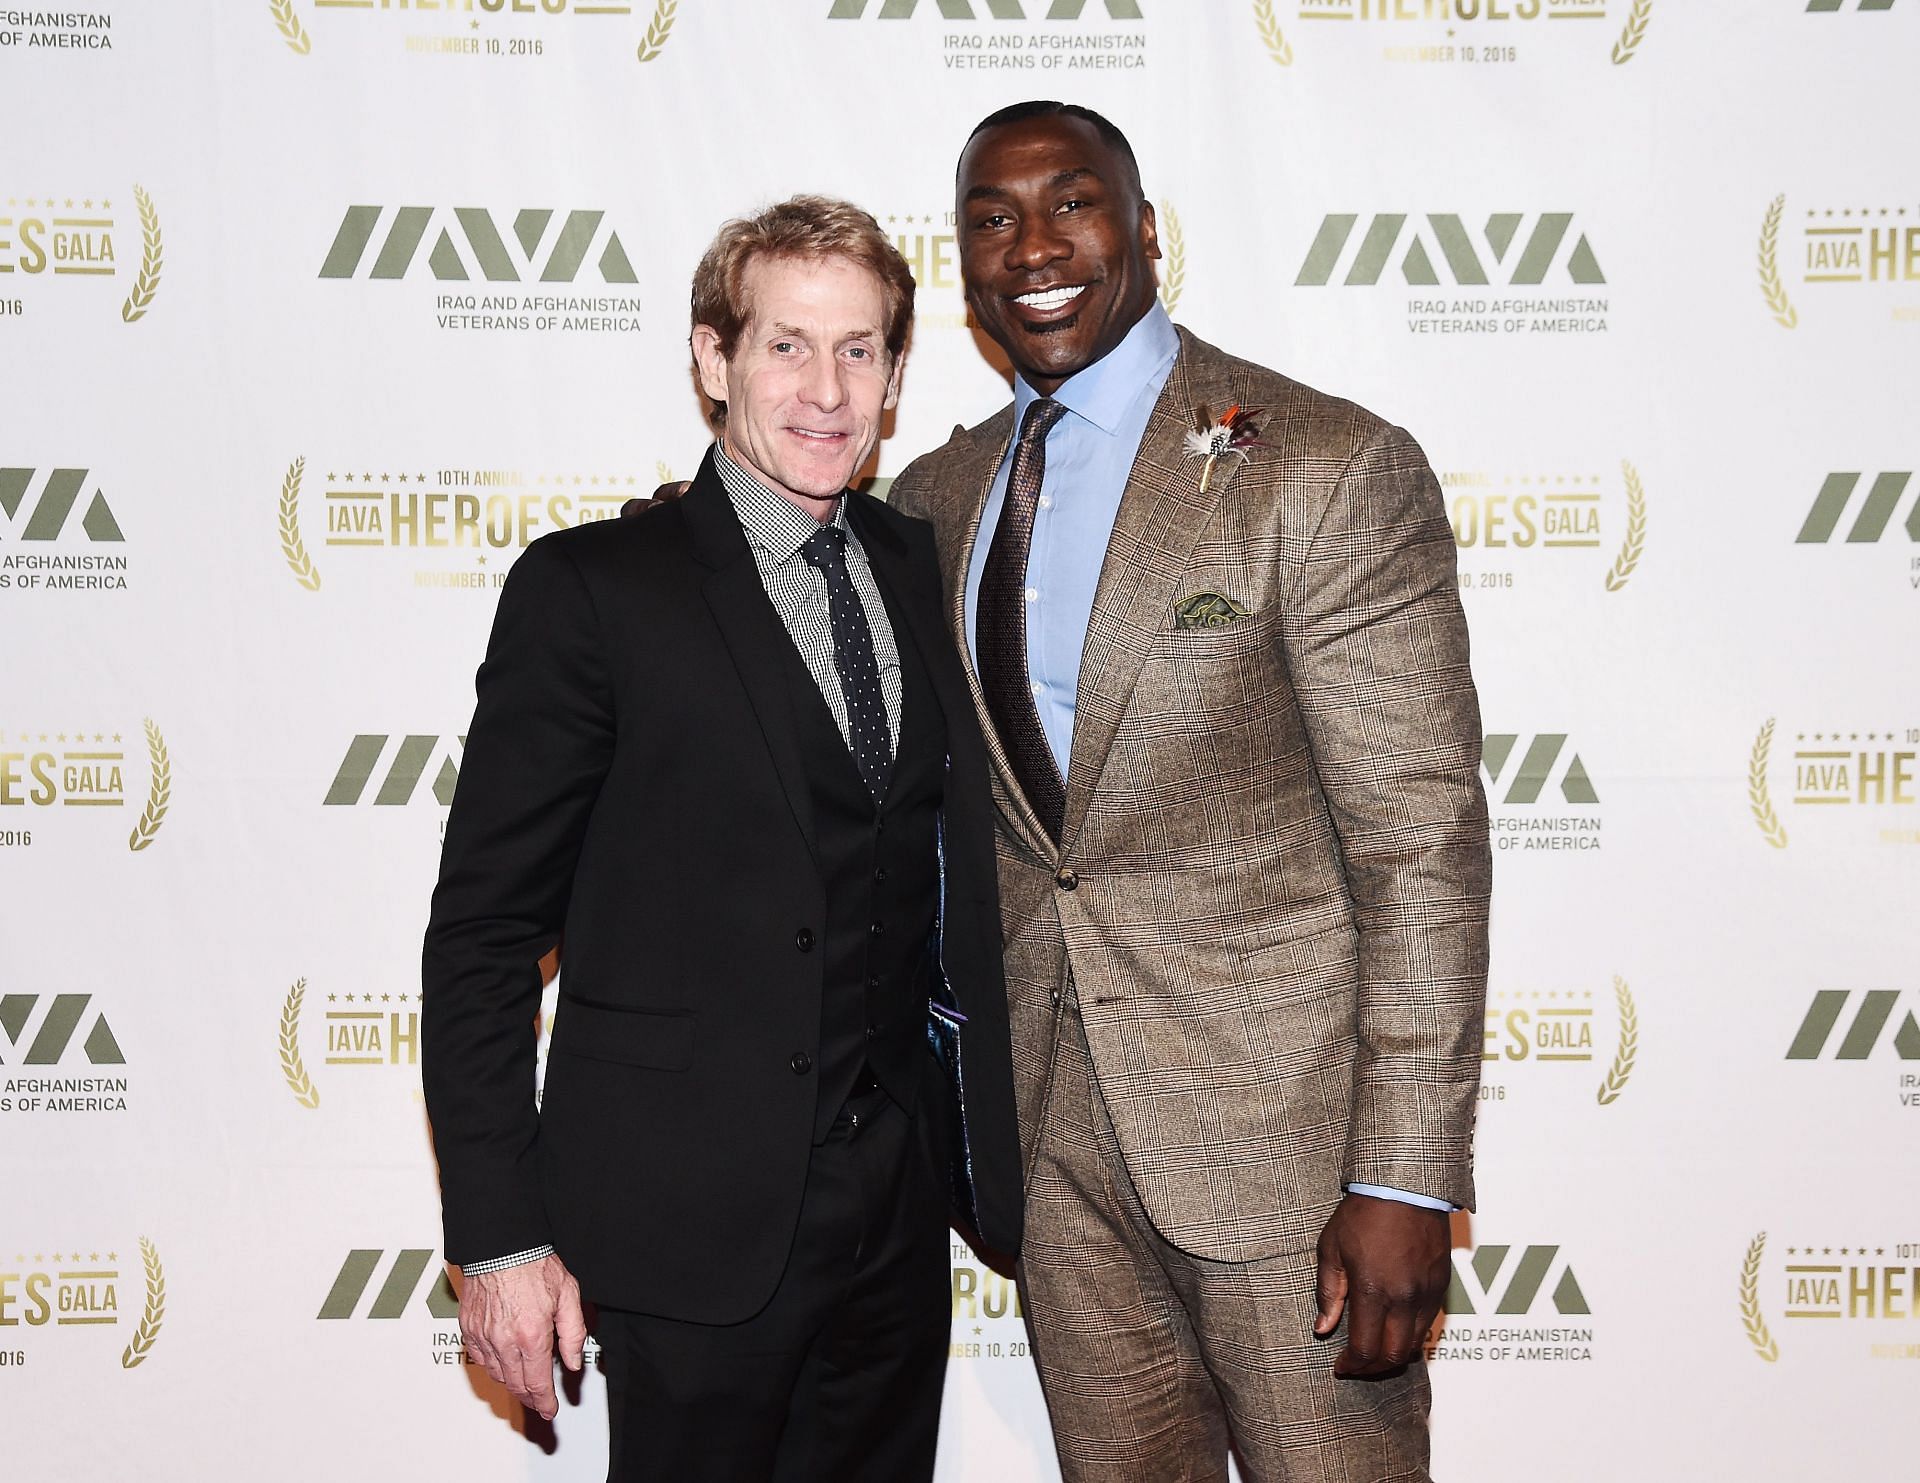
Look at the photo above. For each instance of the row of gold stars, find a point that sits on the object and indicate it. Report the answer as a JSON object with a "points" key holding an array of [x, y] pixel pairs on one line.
{"points": [[1531, 479], [1828, 1251], [1822, 736], [79, 736], [365, 998], [909, 219], [58, 1260], [51, 203], [1845, 211], [1537, 994]]}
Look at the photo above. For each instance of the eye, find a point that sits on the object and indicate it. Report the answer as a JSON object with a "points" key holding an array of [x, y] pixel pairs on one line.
{"points": [[992, 223], [785, 347], [859, 352], [1074, 205]]}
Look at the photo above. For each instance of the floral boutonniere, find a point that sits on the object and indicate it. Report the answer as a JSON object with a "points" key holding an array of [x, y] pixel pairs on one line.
{"points": [[1237, 430]]}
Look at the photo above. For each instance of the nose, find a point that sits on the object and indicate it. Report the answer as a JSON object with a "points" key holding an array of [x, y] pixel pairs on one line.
{"points": [[824, 383], [1037, 243]]}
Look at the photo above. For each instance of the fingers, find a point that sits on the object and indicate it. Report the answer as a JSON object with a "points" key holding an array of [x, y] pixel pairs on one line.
{"points": [[571, 1325], [1330, 1283], [1400, 1336], [1366, 1324], [530, 1377]]}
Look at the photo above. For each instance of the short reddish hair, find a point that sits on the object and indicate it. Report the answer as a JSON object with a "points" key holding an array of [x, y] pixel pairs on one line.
{"points": [[806, 228]]}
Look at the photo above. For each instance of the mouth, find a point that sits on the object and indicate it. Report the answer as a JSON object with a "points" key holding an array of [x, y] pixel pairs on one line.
{"points": [[816, 435], [1046, 305]]}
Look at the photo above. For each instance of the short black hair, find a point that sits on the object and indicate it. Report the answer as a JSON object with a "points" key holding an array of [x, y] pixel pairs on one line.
{"points": [[1015, 113]]}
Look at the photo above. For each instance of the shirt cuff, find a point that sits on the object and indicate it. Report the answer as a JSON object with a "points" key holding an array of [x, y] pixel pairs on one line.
{"points": [[1379, 1192], [501, 1263]]}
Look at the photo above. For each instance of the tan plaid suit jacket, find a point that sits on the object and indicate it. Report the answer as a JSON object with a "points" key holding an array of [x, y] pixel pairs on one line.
{"points": [[1278, 928]]}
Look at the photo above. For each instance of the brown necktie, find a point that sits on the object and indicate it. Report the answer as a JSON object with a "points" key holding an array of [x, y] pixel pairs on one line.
{"points": [[1000, 625]]}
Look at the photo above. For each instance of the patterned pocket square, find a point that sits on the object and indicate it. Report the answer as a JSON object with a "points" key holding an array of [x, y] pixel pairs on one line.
{"points": [[1207, 610]]}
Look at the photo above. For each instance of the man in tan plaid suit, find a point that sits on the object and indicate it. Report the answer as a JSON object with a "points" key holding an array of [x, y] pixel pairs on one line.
{"points": [[1243, 848]]}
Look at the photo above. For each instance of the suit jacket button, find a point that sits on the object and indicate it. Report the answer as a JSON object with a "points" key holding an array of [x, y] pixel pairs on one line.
{"points": [[1065, 879], [802, 1063], [803, 939]]}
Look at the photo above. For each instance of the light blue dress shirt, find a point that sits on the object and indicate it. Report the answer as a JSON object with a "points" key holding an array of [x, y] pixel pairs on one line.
{"points": [[1090, 454]]}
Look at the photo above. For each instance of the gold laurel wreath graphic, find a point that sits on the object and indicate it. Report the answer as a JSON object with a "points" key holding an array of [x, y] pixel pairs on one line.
{"points": [[285, 17], [147, 280], [1176, 283], [1636, 539], [1629, 1046], [148, 1329], [1276, 43], [655, 41], [1775, 292], [291, 1066], [291, 546], [159, 792], [1634, 34], [661, 473], [1759, 800], [1750, 1315]]}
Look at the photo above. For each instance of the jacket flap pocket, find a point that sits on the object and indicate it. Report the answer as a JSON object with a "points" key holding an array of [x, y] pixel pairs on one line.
{"points": [[660, 1040]]}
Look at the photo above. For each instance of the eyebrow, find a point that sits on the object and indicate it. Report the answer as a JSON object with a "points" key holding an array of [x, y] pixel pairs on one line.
{"points": [[1065, 177], [794, 332]]}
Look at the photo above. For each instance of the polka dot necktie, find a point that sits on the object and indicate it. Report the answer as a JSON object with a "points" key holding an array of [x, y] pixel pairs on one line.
{"points": [[826, 551], [1000, 624]]}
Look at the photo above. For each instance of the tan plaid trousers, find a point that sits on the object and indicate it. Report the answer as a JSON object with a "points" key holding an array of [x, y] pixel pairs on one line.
{"points": [[1155, 1361]]}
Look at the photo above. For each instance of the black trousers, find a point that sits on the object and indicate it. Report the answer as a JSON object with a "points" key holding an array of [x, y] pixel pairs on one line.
{"points": [[838, 1379]]}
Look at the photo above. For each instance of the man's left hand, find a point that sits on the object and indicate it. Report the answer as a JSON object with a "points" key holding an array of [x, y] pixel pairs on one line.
{"points": [[1386, 1264]]}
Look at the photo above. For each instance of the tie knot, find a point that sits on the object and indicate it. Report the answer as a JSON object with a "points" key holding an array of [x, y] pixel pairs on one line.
{"points": [[1040, 418], [826, 547]]}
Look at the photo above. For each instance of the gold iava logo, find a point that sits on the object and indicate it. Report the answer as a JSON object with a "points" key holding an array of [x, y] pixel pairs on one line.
{"points": [[1848, 244], [1852, 1282], [1450, 13], [455, 516], [1556, 1028], [364, 1030], [88, 1289], [1535, 519], [1836, 768], [286, 15], [86, 770], [60, 237]]}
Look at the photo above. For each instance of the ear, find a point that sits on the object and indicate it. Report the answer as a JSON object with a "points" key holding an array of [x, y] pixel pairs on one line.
{"points": [[708, 360], [893, 382], [1149, 230]]}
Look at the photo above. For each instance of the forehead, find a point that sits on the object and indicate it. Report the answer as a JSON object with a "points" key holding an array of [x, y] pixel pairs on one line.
{"points": [[832, 293], [1032, 151]]}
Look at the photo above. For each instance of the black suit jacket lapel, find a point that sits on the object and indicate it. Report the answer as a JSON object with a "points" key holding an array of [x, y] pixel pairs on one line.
{"points": [[753, 633]]}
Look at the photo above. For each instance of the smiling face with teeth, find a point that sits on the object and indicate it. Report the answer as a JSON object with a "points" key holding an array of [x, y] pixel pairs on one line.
{"points": [[1056, 244], [808, 379]]}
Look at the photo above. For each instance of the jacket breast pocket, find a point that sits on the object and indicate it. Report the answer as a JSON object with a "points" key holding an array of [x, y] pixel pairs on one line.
{"points": [[1243, 636], [659, 1040]]}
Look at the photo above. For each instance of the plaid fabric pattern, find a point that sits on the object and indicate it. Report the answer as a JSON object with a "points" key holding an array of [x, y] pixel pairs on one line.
{"points": [[1275, 827], [1153, 1360], [776, 530]]}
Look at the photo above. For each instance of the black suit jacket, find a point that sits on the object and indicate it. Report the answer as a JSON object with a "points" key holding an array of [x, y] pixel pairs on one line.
{"points": [[632, 784]]}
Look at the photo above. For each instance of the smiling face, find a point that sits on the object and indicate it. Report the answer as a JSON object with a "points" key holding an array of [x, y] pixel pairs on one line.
{"points": [[1055, 244], [808, 379]]}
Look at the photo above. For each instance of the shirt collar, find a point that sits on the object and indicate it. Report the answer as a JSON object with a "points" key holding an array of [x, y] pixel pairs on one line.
{"points": [[774, 523], [1102, 393]]}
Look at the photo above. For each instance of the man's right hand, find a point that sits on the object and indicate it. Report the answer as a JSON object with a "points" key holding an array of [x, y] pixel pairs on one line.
{"points": [[509, 1319]]}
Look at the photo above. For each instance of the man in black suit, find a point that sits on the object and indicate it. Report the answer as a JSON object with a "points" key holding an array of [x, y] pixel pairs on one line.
{"points": [[725, 749]]}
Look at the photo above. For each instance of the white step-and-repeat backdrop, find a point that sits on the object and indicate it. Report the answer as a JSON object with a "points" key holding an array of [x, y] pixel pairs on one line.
{"points": [[314, 312]]}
